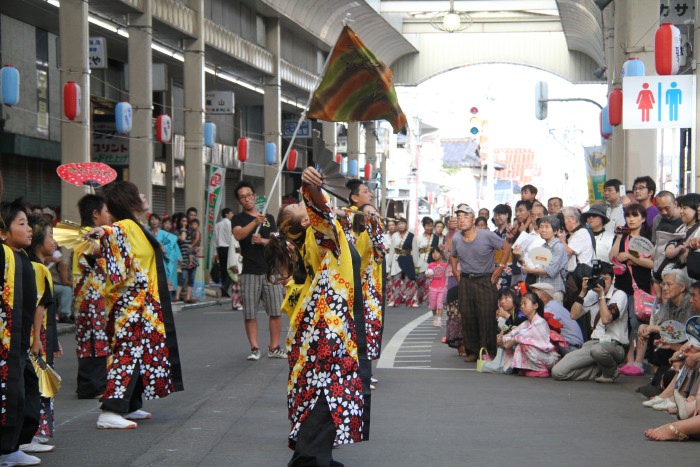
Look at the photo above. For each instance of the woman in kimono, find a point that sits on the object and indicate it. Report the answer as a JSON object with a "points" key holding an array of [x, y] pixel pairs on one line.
{"points": [[403, 270], [144, 358], [19, 387], [528, 347], [453, 324], [44, 340], [169, 247], [324, 390], [89, 281], [172, 254]]}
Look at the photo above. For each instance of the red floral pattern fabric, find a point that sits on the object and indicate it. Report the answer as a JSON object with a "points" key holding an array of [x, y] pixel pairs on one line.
{"points": [[89, 279]]}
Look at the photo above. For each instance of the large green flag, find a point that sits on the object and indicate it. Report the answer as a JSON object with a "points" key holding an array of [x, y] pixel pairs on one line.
{"points": [[356, 86]]}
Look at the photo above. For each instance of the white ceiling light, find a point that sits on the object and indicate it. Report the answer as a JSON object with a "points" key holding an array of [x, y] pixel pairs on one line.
{"points": [[451, 21]]}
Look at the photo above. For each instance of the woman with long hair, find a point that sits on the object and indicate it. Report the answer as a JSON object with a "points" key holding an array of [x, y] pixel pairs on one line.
{"points": [[140, 326], [632, 271], [324, 390], [19, 387]]}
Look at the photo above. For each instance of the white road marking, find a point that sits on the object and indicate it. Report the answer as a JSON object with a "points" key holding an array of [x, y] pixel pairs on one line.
{"points": [[392, 348]]}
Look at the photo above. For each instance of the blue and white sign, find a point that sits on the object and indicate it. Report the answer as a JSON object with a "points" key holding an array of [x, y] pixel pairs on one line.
{"points": [[97, 52], [288, 127], [658, 102]]}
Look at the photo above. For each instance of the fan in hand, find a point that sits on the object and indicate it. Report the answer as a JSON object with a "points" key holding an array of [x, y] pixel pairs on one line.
{"points": [[91, 174], [333, 180]]}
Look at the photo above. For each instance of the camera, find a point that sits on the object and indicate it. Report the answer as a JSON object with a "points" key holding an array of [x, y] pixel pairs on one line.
{"points": [[595, 278], [560, 218]]}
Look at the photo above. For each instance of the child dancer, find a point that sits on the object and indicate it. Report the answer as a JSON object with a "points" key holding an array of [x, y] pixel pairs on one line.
{"points": [[19, 387], [438, 285]]}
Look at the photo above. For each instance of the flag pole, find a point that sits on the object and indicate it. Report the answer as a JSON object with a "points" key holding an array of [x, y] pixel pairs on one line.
{"points": [[296, 130]]}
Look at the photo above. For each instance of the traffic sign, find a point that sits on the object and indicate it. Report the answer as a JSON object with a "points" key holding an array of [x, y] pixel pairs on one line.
{"points": [[658, 101]]}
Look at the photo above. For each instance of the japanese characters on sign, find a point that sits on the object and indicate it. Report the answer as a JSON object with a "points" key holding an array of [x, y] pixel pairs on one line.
{"points": [[219, 102], [97, 52], [677, 11]]}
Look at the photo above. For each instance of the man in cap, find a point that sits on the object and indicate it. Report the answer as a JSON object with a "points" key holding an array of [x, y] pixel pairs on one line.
{"points": [[478, 292], [596, 218], [570, 331]]}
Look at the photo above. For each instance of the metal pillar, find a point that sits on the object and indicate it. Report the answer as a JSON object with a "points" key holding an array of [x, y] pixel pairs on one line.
{"points": [[615, 167], [141, 99], [75, 136], [194, 111], [330, 135], [272, 110], [693, 179]]}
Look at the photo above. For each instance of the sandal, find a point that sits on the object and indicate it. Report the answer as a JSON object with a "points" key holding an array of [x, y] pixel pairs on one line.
{"points": [[680, 436]]}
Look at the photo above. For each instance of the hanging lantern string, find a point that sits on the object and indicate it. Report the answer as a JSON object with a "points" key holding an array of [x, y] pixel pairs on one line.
{"points": [[125, 92]]}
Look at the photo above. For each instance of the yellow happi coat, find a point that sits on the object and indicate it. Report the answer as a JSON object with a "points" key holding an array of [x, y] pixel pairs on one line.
{"points": [[321, 342]]}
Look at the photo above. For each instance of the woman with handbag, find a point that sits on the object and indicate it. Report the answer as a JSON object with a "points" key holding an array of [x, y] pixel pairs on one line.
{"points": [[145, 359], [633, 276]]}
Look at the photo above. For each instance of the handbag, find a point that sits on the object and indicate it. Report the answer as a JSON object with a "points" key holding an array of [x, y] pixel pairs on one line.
{"points": [[483, 359], [49, 380], [495, 365], [644, 303]]}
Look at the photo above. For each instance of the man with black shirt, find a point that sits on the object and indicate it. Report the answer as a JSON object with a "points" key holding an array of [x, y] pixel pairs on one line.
{"points": [[253, 283]]}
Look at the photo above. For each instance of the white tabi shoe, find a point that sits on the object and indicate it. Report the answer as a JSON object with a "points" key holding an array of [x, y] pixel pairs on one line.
{"points": [[18, 458], [138, 415], [114, 421]]}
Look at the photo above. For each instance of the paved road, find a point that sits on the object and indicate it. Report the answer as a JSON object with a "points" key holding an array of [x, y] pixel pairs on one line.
{"points": [[429, 409]]}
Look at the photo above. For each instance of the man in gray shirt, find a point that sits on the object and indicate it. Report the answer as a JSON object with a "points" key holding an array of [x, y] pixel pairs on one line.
{"points": [[473, 250]]}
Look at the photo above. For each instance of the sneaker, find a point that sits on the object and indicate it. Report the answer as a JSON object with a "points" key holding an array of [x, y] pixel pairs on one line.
{"points": [[114, 421], [138, 415], [36, 447], [436, 323], [631, 370], [373, 380], [372, 387], [391, 304], [664, 404], [40, 440], [254, 354], [277, 352], [18, 458], [607, 379], [652, 401]]}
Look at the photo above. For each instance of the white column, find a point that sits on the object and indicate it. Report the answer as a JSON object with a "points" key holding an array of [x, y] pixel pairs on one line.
{"points": [[272, 110], [194, 111], [141, 99], [75, 136]]}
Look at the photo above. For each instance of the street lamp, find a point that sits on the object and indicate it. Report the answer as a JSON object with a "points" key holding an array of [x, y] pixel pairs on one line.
{"points": [[451, 21]]}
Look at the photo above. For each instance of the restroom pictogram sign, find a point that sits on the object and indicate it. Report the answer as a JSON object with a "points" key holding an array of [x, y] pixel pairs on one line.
{"points": [[658, 102]]}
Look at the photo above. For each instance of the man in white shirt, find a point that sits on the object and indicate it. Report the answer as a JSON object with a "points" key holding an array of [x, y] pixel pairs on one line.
{"points": [[222, 242], [599, 357], [615, 210]]}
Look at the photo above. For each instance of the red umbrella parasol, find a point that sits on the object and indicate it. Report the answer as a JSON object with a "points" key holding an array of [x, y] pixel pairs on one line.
{"points": [[92, 174]]}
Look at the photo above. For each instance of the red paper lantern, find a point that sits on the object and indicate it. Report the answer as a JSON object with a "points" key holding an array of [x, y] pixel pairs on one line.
{"points": [[615, 107], [431, 197], [368, 171], [667, 49], [338, 158], [242, 149], [71, 100], [292, 160], [163, 128]]}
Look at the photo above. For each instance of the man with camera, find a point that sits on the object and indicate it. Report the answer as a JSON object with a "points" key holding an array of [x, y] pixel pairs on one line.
{"points": [[607, 308]]}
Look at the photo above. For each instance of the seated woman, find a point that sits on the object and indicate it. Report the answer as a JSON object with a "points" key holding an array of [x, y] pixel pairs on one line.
{"points": [[682, 395], [682, 430], [528, 347]]}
